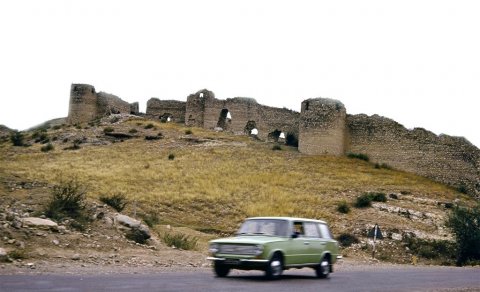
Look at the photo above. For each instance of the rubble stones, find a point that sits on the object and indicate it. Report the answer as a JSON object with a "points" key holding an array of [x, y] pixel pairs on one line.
{"points": [[40, 223]]}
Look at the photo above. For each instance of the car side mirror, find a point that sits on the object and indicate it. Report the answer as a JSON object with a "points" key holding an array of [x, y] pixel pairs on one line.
{"points": [[294, 235]]}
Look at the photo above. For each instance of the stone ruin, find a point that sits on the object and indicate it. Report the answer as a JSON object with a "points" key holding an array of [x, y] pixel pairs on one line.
{"points": [[323, 127]]}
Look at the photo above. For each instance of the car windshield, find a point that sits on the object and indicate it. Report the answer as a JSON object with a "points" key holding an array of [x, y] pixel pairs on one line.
{"points": [[273, 227]]}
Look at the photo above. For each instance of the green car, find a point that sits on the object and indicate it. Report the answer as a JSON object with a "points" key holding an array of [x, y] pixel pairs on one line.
{"points": [[274, 244]]}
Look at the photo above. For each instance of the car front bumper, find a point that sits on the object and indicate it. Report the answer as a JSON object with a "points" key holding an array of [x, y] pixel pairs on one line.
{"points": [[240, 263]]}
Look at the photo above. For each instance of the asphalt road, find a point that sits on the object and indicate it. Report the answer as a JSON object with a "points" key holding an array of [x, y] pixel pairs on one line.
{"points": [[385, 279]]}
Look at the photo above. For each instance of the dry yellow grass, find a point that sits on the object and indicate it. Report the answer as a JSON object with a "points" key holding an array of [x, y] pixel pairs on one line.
{"points": [[217, 186]]}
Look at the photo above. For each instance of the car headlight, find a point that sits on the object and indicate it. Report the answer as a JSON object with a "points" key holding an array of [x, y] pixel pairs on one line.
{"points": [[213, 248], [258, 249]]}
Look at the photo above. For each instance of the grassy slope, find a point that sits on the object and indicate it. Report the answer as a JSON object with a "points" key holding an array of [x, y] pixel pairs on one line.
{"points": [[216, 186]]}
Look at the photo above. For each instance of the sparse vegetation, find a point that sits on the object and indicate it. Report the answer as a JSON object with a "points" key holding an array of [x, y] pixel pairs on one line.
{"points": [[47, 147], [136, 235], [17, 138], [431, 249], [149, 126], [17, 254], [382, 166], [180, 240], [153, 137], [67, 200], [151, 219], [465, 225], [188, 132], [365, 199], [276, 147], [115, 119], [108, 130], [133, 131], [360, 156], [117, 201], [346, 239], [171, 156], [75, 146], [343, 207]]}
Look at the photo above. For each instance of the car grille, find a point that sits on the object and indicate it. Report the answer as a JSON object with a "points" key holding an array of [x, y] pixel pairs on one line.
{"points": [[237, 249]]}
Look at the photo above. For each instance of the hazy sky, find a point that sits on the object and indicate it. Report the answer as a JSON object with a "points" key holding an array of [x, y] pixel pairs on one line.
{"points": [[417, 62]]}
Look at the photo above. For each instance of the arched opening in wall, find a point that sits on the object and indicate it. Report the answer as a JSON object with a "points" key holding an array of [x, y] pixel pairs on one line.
{"points": [[251, 128], [191, 120], [274, 136], [166, 118], [307, 104], [201, 94], [291, 140], [224, 120]]}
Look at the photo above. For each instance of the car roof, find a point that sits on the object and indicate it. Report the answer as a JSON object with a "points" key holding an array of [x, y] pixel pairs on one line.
{"points": [[289, 219]]}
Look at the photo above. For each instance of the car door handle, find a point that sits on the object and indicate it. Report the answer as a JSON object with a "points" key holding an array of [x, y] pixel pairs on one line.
{"points": [[306, 243]]}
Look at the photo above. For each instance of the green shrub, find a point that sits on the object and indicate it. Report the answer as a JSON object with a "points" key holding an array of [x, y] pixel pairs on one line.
{"points": [[151, 219], [171, 156], [133, 131], [431, 249], [465, 225], [117, 201], [149, 126], [462, 189], [382, 165], [57, 127], [347, 240], [343, 207], [360, 156], [153, 137], [17, 138], [363, 201], [188, 132], [136, 235], [113, 120], [179, 240], [276, 147], [40, 137], [67, 200], [47, 147], [17, 254], [108, 130]]}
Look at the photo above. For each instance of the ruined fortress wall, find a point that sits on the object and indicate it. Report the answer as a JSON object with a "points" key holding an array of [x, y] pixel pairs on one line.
{"points": [[208, 112], [111, 104], [195, 108], [161, 109], [322, 127], [450, 160], [87, 105], [83, 103]]}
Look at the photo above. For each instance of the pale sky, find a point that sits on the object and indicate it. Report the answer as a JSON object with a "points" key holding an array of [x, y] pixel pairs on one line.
{"points": [[417, 62]]}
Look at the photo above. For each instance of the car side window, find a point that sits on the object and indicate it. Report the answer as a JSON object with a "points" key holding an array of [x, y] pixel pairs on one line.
{"points": [[298, 229], [325, 231], [311, 230]]}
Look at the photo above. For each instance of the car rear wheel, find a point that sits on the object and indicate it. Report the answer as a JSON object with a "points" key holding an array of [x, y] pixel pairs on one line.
{"points": [[323, 270], [275, 267], [220, 269]]}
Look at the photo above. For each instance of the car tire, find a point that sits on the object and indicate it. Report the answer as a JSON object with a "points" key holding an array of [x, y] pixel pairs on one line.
{"points": [[220, 269], [323, 270], [274, 269]]}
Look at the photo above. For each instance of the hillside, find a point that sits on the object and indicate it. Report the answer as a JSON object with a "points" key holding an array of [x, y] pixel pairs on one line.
{"points": [[205, 183]]}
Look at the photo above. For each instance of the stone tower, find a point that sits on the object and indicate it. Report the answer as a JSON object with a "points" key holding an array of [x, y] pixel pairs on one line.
{"points": [[83, 103], [195, 108], [322, 127]]}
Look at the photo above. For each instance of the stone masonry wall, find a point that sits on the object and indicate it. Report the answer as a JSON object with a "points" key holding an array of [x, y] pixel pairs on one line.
{"points": [[204, 110], [322, 127], [86, 104], [162, 109], [450, 160]]}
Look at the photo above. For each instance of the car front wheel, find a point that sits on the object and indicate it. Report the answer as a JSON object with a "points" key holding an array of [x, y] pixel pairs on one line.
{"points": [[220, 269], [275, 267], [323, 270]]}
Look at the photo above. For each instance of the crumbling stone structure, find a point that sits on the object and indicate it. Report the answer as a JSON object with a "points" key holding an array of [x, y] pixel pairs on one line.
{"points": [[322, 127], [87, 105], [240, 115], [450, 160], [166, 110]]}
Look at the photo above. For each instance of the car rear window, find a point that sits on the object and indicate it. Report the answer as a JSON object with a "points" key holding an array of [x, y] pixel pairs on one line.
{"points": [[325, 231]]}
